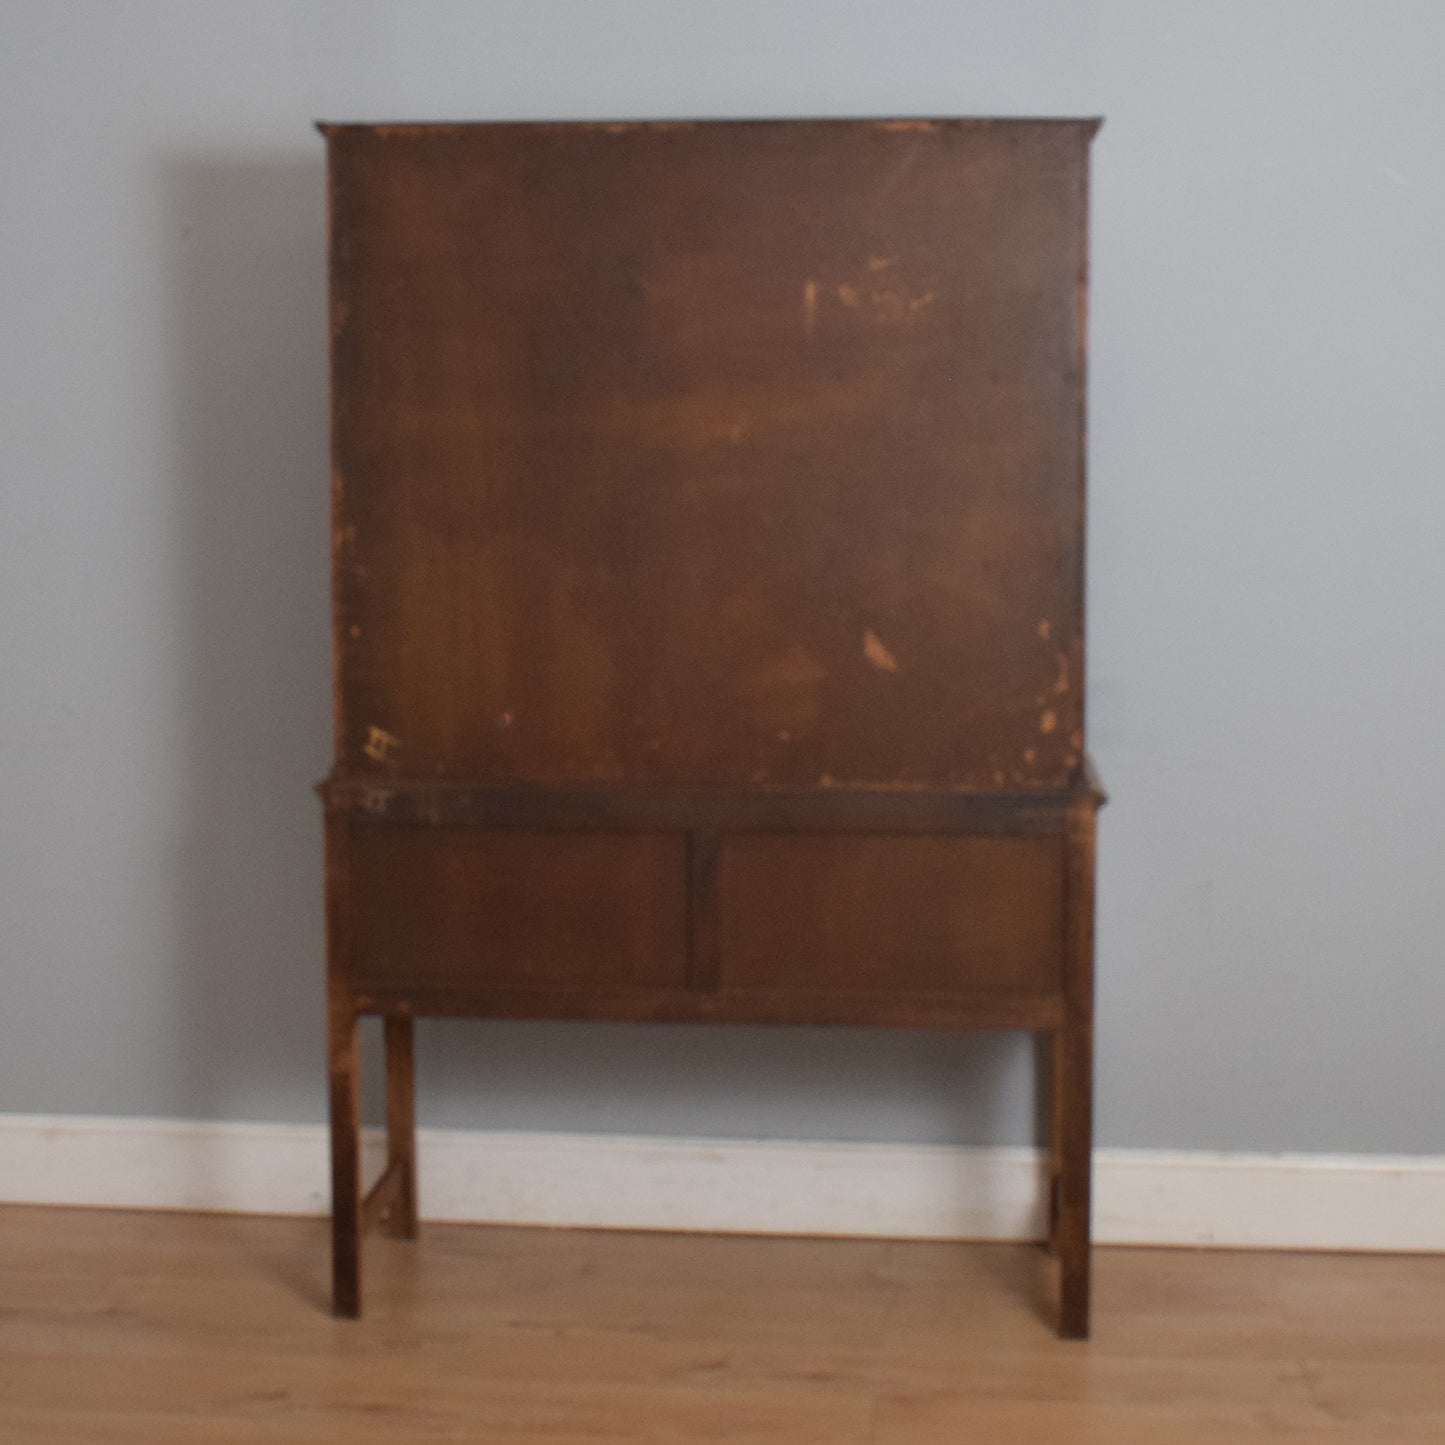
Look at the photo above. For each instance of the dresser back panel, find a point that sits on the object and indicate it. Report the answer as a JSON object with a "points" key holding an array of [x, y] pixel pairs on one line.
{"points": [[726, 454]]}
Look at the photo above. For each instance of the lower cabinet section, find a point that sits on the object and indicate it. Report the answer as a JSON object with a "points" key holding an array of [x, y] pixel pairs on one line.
{"points": [[635, 907], [573, 913]]}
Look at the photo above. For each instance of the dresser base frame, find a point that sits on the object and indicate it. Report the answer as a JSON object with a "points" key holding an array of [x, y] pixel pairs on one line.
{"points": [[1065, 1014]]}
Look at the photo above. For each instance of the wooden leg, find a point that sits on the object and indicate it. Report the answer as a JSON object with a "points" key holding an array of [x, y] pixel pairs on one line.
{"points": [[343, 1064], [1073, 1233], [401, 1123], [345, 1164], [1056, 1141], [1074, 1080]]}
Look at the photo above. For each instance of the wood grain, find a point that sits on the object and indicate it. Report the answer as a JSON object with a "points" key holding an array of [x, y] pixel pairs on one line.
{"points": [[733, 453], [554, 911], [153, 1329], [708, 591], [889, 915]]}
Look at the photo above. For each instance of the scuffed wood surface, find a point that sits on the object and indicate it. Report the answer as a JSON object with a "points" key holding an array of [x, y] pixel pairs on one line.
{"points": [[726, 454]]}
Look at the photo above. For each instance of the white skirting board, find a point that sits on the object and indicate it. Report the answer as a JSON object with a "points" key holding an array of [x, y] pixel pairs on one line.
{"points": [[1142, 1196]]}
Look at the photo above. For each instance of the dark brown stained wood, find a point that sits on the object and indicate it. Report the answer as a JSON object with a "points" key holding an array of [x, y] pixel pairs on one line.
{"points": [[729, 454], [343, 1075], [892, 915], [1074, 1078], [441, 907], [704, 960], [399, 1039], [707, 553], [381, 1202], [480, 999], [442, 804]]}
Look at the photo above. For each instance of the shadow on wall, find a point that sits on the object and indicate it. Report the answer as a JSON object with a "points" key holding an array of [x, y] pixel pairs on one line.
{"points": [[248, 329]]}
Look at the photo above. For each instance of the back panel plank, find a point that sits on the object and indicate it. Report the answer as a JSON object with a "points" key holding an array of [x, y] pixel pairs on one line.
{"points": [[892, 915], [725, 454], [473, 911]]}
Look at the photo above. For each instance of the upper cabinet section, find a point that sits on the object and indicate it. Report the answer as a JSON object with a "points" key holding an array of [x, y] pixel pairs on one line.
{"points": [[720, 454]]}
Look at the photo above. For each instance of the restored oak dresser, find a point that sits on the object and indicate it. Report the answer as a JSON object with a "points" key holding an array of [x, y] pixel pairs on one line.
{"points": [[708, 564]]}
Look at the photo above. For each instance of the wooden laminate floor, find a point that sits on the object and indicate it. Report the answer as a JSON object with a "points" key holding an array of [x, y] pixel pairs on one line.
{"points": [[160, 1328]]}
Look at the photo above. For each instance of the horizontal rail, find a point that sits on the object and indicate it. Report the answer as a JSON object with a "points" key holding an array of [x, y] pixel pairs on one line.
{"points": [[397, 801], [385, 1194], [967, 1009]]}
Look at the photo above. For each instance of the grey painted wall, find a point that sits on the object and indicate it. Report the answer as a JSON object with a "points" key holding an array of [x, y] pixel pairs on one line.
{"points": [[1267, 606]]}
